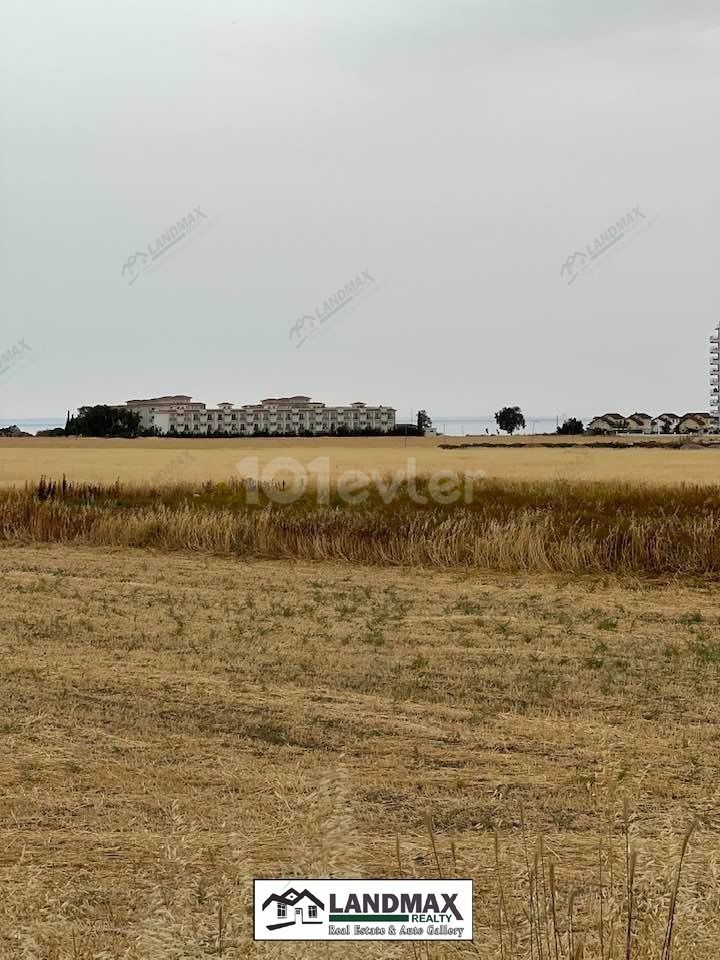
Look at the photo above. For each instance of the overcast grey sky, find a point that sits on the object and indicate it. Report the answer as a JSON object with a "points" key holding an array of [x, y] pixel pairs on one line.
{"points": [[459, 152]]}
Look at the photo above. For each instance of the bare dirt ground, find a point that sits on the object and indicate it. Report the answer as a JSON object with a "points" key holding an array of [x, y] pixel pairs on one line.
{"points": [[173, 726], [166, 460]]}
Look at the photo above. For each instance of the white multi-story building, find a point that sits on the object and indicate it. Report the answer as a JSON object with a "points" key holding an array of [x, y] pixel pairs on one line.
{"points": [[715, 373], [282, 415]]}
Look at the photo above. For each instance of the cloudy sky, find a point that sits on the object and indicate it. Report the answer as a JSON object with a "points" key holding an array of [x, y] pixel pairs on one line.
{"points": [[457, 153]]}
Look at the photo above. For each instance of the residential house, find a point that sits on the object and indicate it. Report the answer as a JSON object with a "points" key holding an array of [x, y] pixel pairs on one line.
{"points": [[639, 423], [697, 423], [664, 423], [607, 423]]}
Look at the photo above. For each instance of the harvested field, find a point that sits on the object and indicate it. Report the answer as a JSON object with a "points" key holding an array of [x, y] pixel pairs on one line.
{"points": [[174, 725], [165, 460]]}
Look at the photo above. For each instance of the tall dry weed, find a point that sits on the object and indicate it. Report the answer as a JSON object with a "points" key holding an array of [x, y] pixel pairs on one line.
{"points": [[555, 526]]}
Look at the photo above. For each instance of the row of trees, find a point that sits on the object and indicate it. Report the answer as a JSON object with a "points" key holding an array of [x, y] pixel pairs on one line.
{"points": [[104, 421]]}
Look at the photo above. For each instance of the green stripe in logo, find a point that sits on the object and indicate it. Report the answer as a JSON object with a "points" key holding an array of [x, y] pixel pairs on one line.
{"points": [[371, 917]]}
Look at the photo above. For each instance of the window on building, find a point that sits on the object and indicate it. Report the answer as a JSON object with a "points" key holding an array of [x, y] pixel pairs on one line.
{"points": [[282, 910], [312, 912]]}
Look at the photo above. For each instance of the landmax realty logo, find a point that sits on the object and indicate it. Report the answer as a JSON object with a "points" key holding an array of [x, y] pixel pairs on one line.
{"points": [[361, 287], [581, 261], [192, 224], [362, 909]]}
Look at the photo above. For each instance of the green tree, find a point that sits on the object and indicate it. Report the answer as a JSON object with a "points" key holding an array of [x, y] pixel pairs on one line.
{"points": [[510, 419], [105, 421], [571, 427], [423, 421]]}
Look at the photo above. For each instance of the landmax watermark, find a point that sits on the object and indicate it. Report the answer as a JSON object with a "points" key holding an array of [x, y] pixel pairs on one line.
{"points": [[361, 287], [368, 909], [581, 261], [16, 358], [284, 480], [574, 463], [174, 470], [193, 224]]}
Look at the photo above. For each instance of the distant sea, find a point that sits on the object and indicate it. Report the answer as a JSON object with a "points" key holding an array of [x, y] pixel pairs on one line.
{"points": [[32, 426], [479, 426], [450, 426]]}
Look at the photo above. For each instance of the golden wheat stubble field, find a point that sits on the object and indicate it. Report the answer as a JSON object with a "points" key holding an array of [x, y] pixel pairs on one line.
{"points": [[165, 460], [174, 725]]}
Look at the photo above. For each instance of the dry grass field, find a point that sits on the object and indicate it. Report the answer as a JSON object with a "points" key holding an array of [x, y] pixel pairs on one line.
{"points": [[152, 461], [521, 688], [175, 724], [490, 525]]}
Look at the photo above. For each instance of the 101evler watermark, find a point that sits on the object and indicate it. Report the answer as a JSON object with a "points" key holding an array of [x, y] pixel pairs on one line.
{"points": [[405, 909], [630, 225], [283, 480]]}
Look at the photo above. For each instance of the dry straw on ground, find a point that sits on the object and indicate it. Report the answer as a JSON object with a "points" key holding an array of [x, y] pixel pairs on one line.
{"points": [[175, 724]]}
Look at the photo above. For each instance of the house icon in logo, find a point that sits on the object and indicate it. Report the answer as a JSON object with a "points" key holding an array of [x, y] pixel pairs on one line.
{"points": [[291, 907], [574, 265]]}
